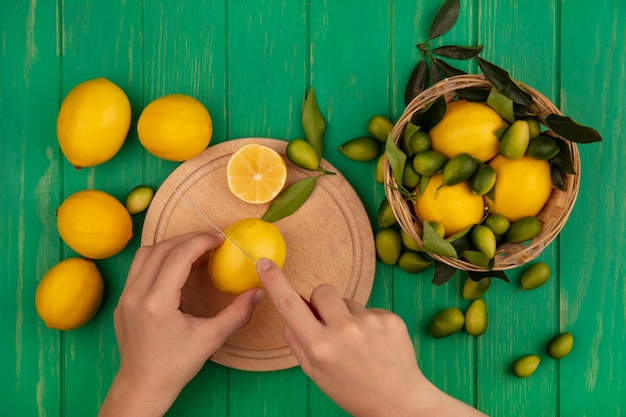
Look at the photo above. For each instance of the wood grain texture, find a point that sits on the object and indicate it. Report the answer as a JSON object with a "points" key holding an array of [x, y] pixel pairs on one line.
{"points": [[251, 63]]}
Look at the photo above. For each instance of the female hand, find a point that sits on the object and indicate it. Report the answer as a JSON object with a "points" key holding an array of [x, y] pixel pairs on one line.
{"points": [[363, 359], [161, 348]]}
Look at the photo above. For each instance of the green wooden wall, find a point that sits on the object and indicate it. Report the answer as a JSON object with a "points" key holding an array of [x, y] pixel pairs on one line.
{"points": [[251, 63]]}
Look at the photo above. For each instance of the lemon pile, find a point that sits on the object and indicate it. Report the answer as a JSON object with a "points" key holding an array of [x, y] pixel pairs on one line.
{"points": [[92, 125]]}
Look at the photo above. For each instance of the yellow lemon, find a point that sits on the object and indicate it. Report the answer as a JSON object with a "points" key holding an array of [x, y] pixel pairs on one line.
{"points": [[256, 173], [94, 224], [455, 206], [230, 269], [93, 122], [175, 127], [467, 127], [522, 187], [69, 294]]}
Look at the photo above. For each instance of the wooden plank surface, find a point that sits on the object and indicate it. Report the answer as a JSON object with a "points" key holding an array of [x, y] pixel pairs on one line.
{"points": [[251, 63]]}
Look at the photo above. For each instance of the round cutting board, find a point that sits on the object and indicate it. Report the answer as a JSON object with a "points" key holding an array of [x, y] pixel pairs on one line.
{"points": [[329, 240]]}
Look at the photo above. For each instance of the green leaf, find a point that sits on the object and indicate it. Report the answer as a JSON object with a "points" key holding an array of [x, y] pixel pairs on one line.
{"points": [[396, 158], [417, 82], [564, 157], [443, 69], [458, 52], [444, 19], [572, 131], [431, 115], [474, 94], [433, 243], [423, 183], [502, 104], [478, 275], [313, 122], [501, 80], [409, 130], [290, 199], [443, 272], [558, 176]]}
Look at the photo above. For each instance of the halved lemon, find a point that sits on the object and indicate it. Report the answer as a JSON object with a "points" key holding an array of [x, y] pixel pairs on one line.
{"points": [[256, 173]]}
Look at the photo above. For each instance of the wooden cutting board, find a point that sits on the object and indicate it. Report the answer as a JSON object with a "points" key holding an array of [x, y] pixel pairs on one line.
{"points": [[329, 240]]}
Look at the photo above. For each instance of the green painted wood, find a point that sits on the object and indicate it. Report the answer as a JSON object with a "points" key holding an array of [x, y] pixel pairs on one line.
{"points": [[98, 40], [29, 352], [251, 63], [592, 290]]}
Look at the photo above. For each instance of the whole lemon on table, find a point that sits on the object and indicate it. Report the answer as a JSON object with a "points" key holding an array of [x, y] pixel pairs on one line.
{"points": [[467, 127], [69, 294], [455, 206], [93, 122], [94, 224], [175, 127], [522, 187], [230, 269]]}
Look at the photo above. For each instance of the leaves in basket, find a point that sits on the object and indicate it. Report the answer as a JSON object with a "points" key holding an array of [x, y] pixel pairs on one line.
{"points": [[397, 160], [444, 19], [475, 94], [572, 131], [564, 157], [431, 115], [478, 275], [290, 199], [502, 104], [313, 123], [501, 80], [443, 272], [440, 69], [435, 244], [458, 52], [417, 82]]}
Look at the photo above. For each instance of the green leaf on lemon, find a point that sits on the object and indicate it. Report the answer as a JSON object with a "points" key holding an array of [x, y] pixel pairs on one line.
{"points": [[435, 244], [290, 199]]}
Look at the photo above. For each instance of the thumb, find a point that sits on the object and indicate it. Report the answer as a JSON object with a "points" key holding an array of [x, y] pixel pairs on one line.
{"points": [[236, 315]]}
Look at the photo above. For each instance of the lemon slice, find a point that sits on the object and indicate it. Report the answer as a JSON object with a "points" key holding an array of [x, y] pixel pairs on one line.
{"points": [[256, 173]]}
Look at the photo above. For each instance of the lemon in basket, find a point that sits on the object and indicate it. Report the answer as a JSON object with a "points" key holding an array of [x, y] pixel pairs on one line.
{"points": [[455, 206], [231, 270], [69, 294], [467, 127], [175, 127], [522, 187], [93, 122]]}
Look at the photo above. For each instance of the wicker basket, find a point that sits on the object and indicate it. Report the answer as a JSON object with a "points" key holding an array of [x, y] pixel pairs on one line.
{"points": [[552, 217]]}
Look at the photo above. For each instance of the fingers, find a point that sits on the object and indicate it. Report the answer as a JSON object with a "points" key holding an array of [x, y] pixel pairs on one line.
{"points": [[287, 301], [328, 302], [175, 269], [233, 317]]}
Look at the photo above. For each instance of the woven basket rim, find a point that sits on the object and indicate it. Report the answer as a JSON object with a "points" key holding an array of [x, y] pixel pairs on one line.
{"points": [[553, 216]]}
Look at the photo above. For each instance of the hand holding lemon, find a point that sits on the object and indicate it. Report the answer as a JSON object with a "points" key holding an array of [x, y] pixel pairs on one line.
{"points": [[161, 348]]}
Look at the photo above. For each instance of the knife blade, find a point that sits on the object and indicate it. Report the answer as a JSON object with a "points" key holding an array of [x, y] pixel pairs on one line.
{"points": [[203, 216]]}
